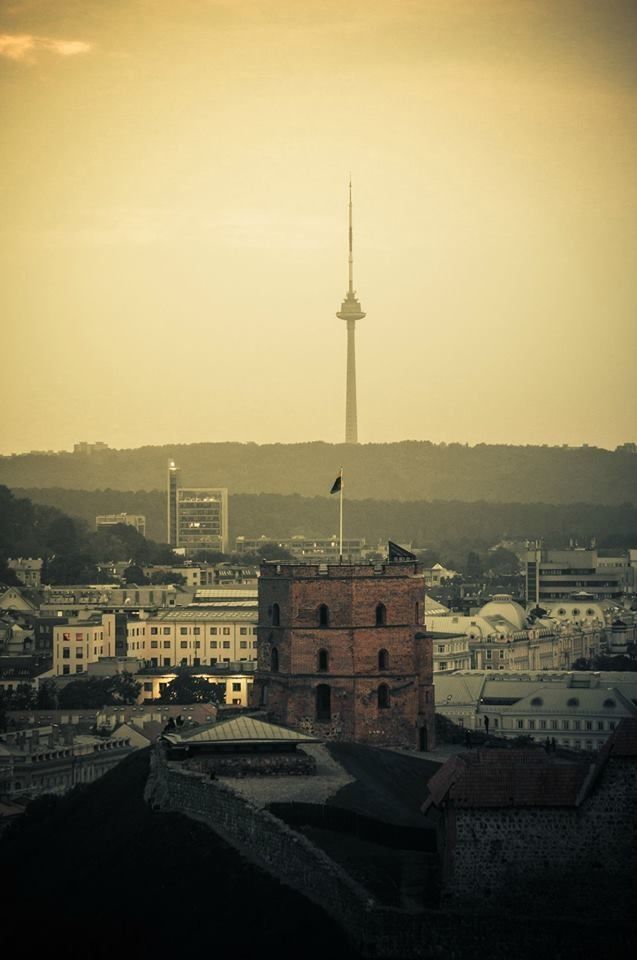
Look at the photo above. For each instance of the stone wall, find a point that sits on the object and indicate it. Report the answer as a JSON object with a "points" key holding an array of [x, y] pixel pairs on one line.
{"points": [[489, 849], [375, 931]]}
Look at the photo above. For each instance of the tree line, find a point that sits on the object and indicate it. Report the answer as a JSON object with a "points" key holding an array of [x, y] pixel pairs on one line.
{"points": [[409, 470]]}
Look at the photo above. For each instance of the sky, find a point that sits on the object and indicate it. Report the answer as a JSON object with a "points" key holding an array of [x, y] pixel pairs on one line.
{"points": [[174, 227]]}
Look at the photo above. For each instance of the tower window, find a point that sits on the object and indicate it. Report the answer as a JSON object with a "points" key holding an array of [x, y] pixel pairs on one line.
{"points": [[323, 702], [383, 696], [324, 615], [383, 660], [381, 615], [276, 615], [323, 660], [274, 660]]}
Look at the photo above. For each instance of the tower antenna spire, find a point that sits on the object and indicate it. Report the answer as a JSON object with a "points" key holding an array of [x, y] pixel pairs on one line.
{"points": [[350, 312], [350, 261]]}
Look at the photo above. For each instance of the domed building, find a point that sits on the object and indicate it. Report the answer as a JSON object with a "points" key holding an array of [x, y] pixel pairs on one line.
{"points": [[504, 614]]}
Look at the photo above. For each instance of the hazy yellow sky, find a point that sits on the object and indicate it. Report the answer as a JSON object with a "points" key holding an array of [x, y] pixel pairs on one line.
{"points": [[173, 194]]}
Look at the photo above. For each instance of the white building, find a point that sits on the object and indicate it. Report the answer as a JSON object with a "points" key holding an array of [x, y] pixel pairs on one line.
{"points": [[578, 710]]}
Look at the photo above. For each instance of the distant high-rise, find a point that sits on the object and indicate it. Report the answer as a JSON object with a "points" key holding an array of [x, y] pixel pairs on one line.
{"points": [[351, 312], [197, 516]]}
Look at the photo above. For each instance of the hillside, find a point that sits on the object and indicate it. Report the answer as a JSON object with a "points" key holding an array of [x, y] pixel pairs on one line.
{"points": [[420, 522], [409, 470], [99, 875]]}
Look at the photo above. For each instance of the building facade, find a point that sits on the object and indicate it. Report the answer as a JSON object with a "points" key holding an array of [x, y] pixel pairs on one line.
{"points": [[197, 517], [137, 520], [78, 644], [342, 654], [559, 574], [327, 549]]}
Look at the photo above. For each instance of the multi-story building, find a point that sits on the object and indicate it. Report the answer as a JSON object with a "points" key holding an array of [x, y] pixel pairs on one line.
{"points": [[199, 635], [83, 601], [237, 679], [75, 645], [559, 574], [41, 760], [326, 549], [28, 570], [136, 520], [342, 653], [578, 710], [197, 517]]}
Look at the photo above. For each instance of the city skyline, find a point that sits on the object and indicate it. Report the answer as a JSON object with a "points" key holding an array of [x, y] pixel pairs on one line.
{"points": [[173, 198]]}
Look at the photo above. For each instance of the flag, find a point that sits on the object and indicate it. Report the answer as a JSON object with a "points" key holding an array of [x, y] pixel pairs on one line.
{"points": [[397, 552], [338, 484]]}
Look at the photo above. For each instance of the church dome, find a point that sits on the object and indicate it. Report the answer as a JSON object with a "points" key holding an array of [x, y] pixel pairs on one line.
{"points": [[503, 607]]}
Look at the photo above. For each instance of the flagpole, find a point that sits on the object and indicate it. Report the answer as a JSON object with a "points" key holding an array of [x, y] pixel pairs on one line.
{"points": [[340, 525]]}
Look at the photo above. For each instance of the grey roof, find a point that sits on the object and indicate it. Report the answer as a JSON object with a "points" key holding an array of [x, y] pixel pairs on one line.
{"points": [[240, 730], [198, 614]]}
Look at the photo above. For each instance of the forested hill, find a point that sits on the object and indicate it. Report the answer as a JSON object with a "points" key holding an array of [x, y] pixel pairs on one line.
{"points": [[411, 470], [419, 522]]}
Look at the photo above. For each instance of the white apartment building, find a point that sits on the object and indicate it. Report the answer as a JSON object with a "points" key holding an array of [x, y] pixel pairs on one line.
{"points": [[196, 636], [579, 710], [78, 644]]}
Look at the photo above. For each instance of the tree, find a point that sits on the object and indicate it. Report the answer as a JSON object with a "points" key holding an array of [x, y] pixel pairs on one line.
{"points": [[22, 698], [94, 692], [47, 696], [69, 568], [504, 561], [581, 664], [134, 574], [473, 564], [272, 551], [167, 576], [186, 688]]}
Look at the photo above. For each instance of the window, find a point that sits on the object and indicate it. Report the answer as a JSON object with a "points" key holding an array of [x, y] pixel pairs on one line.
{"points": [[609, 704], [323, 702], [226, 644], [226, 631], [565, 724], [66, 653], [323, 616], [236, 687], [537, 702], [196, 662], [577, 724], [600, 724], [184, 661], [166, 631], [572, 702], [520, 724], [243, 631], [154, 631], [183, 631], [323, 660], [213, 644], [531, 724], [79, 668], [166, 644], [383, 697], [196, 631], [79, 653], [553, 724], [383, 660], [276, 615], [166, 661], [154, 644], [243, 644], [274, 660], [381, 615], [213, 630], [589, 724], [148, 686], [183, 644], [66, 668]]}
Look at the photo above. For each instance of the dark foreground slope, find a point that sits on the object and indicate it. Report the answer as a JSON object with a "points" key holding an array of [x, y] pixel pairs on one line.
{"points": [[97, 875]]}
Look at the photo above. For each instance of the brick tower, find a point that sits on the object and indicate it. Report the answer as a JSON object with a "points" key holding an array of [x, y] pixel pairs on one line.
{"points": [[342, 653]]}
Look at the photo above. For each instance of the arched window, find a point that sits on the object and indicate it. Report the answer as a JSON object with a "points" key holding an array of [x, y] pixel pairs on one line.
{"points": [[276, 615], [323, 660], [323, 702], [383, 696], [274, 660], [383, 660], [324, 615], [381, 615]]}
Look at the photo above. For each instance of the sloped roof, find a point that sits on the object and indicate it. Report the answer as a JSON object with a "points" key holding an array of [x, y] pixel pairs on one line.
{"points": [[241, 730], [507, 778], [624, 739]]}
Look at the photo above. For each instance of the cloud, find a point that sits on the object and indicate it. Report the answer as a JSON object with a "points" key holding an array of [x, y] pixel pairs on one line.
{"points": [[24, 46]]}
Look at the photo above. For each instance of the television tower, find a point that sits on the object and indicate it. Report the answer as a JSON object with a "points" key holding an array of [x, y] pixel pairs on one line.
{"points": [[351, 312]]}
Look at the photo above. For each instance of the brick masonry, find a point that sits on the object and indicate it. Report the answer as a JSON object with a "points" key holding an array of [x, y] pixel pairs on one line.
{"points": [[297, 653]]}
